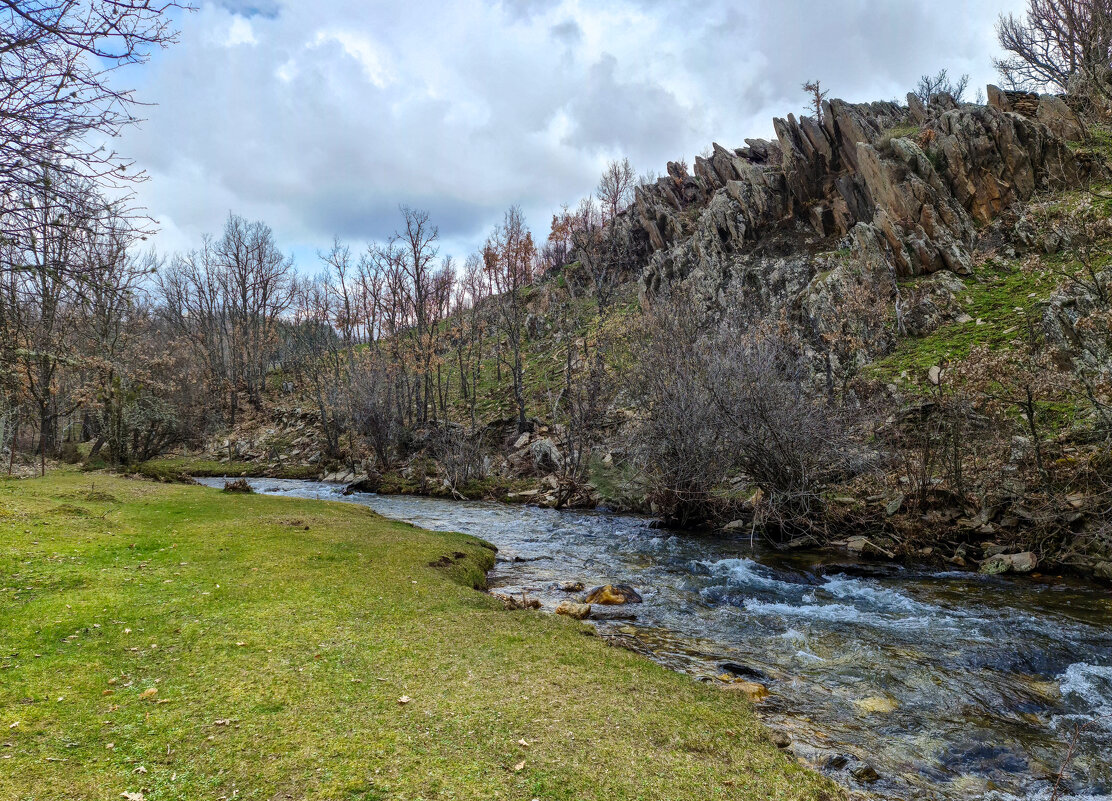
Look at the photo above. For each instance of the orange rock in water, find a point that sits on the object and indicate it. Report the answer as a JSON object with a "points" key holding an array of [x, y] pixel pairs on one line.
{"points": [[612, 595]]}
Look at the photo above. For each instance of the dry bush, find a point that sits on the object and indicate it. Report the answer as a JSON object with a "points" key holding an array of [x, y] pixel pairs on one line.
{"points": [[735, 399]]}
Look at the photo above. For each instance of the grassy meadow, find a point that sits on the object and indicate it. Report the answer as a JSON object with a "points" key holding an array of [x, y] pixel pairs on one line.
{"points": [[166, 641]]}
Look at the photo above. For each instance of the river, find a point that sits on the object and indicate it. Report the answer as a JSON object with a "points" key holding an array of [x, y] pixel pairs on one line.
{"points": [[949, 685]]}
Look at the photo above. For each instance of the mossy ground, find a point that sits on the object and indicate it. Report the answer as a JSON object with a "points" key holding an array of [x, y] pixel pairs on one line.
{"points": [[177, 468], [279, 636], [999, 299]]}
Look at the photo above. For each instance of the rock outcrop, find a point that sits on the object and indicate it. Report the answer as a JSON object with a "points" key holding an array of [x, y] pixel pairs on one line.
{"points": [[904, 188]]}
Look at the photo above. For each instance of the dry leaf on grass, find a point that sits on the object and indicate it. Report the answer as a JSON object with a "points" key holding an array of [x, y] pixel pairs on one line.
{"points": [[405, 699], [148, 694]]}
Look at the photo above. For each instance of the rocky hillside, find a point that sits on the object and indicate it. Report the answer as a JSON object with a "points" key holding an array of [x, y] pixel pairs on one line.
{"points": [[909, 189], [876, 194]]}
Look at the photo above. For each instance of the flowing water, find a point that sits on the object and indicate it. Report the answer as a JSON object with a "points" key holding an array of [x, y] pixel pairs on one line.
{"points": [[949, 685]]}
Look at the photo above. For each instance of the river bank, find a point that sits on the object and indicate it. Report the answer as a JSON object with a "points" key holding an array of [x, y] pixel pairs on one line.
{"points": [[881, 526], [171, 641], [944, 684]]}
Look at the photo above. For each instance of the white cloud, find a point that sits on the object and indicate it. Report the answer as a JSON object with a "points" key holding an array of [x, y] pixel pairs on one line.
{"points": [[363, 50], [240, 33]]}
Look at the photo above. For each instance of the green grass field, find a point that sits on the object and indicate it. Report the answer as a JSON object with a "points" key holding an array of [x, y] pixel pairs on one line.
{"points": [[175, 642]]}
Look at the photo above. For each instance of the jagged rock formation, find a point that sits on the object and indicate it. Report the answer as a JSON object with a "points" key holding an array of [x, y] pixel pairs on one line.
{"points": [[905, 187]]}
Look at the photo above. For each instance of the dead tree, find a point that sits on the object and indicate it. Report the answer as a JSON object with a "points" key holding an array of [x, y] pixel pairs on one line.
{"points": [[1056, 42]]}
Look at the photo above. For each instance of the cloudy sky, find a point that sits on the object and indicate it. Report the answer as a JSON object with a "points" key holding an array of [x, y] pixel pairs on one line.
{"points": [[322, 116]]}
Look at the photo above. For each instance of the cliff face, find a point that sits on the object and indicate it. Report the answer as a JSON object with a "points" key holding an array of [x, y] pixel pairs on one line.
{"points": [[906, 188]]}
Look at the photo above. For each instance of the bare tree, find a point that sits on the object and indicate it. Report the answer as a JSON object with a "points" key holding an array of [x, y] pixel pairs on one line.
{"points": [[930, 86], [416, 297], [227, 298], [1056, 41], [41, 300], [615, 188], [318, 355], [255, 278], [580, 405], [814, 89], [679, 440], [508, 259], [606, 249], [471, 328], [58, 106]]}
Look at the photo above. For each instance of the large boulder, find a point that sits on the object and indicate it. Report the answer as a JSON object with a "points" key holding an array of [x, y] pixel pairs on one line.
{"points": [[613, 594], [371, 482], [1060, 118], [1023, 562], [546, 456]]}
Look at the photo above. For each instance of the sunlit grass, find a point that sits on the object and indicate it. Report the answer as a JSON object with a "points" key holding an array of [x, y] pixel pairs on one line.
{"points": [[278, 635]]}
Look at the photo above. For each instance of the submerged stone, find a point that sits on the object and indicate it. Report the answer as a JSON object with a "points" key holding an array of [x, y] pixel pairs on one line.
{"points": [[612, 595]]}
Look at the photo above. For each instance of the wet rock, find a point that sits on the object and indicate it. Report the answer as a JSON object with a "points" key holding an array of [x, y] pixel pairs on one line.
{"points": [[856, 570], [367, 483], [606, 613], [574, 610], [570, 586], [737, 670], [836, 762], [984, 758], [864, 545], [1009, 563], [865, 773], [612, 595]]}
